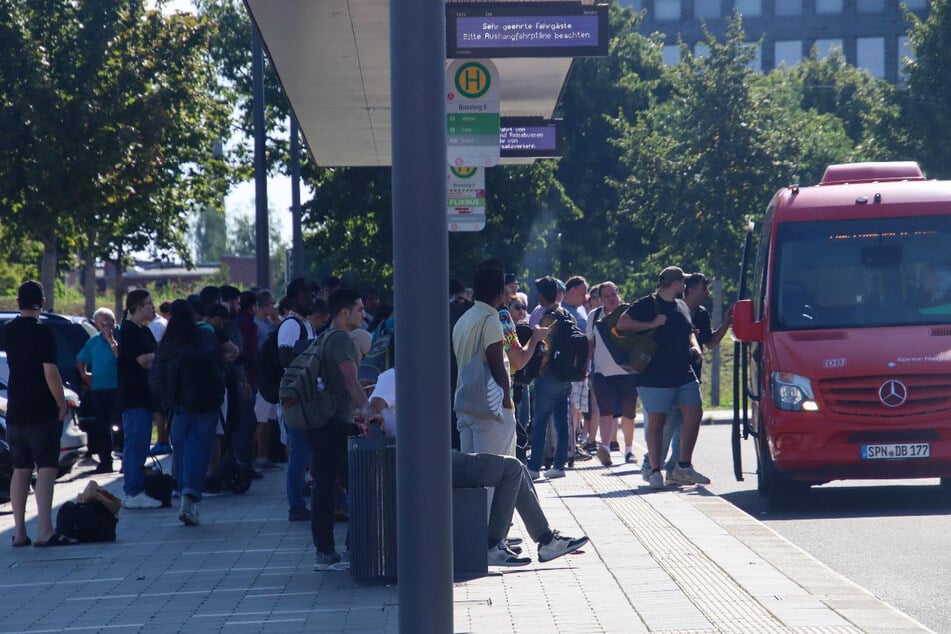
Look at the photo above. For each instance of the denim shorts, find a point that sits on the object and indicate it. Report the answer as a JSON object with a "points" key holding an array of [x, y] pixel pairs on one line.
{"points": [[660, 400], [35, 444]]}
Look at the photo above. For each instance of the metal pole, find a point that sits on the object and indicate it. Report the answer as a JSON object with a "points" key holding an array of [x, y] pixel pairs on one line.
{"points": [[261, 238], [297, 237], [424, 487]]}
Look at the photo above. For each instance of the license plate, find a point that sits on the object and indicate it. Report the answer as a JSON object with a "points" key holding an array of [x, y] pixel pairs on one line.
{"points": [[900, 451]]}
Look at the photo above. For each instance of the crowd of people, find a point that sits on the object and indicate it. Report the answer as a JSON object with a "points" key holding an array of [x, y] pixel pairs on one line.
{"points": [[204, 372]]}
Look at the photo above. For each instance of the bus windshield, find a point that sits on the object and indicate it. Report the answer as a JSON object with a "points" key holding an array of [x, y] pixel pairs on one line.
{"points": [[862, 273]]}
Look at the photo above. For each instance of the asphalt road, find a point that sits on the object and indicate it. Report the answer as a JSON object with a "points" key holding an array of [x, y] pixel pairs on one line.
{"points": [[891, 537]]}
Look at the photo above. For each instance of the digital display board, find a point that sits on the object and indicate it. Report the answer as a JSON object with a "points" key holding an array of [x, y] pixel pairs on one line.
{"points": [[530, 137], [526, 29]]}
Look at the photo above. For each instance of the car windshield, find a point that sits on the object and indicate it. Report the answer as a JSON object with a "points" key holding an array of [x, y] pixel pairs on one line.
{"points": [[862, 273]]}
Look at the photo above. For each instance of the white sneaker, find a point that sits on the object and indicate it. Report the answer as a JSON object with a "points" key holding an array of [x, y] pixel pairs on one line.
{"points": [[140, 501], [688, 475], [657, 480], [559, 545], [188, 513], [501, 555], [554, 473]]}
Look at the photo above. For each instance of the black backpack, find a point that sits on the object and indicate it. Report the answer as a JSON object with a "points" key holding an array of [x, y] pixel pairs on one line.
{"points": [[201, 375], [272, 369], [568, 360]]}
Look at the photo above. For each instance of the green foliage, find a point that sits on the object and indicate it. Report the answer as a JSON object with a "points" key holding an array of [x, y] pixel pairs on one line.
{"points": [[107, 127], [929, 82], [211, 235]]}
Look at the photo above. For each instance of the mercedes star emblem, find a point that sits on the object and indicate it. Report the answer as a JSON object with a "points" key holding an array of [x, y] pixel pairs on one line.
{"points": [[892, 393]]}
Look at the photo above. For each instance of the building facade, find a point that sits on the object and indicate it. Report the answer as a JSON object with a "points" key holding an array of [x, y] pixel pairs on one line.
{"points": [[871, 33]]}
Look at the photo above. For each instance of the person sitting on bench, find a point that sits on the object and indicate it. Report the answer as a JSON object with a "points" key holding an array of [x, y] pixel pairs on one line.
{"points": [[513, 488]]}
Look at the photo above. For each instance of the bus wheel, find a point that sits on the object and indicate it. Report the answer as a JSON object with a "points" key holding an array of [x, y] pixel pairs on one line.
{"points": [[782, 491]]}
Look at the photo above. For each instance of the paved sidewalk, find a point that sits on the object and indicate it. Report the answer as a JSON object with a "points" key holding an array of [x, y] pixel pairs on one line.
{"points": [[679, 560]]}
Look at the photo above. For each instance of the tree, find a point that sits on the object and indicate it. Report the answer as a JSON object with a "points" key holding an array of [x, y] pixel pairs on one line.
{"points": [[599, 91], [211, 234], [929, 86], [107, 129]]}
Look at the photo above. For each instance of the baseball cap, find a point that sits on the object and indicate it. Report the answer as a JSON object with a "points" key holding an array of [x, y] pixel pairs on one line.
{"points": [[299, 285], [30, 296], [670, 274]]}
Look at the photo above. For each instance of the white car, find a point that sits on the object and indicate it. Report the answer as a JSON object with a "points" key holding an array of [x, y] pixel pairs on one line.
{"points": [[72, 444]]}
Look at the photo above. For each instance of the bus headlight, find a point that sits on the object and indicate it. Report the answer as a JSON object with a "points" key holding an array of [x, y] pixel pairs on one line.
{"points": [[793, 393]]}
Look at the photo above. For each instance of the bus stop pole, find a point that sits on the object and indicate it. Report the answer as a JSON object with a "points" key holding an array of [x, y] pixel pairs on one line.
{"points": [[421, 311]]}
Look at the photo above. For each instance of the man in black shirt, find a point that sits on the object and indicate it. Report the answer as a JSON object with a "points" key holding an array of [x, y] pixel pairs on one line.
{"points": [[668, 381], [36, 407]]}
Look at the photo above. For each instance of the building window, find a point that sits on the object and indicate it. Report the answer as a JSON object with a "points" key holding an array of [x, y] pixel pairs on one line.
{"points": [[828, 6], [633, 5], [870, 55], [749, 7], [824, 47], [667, 10], [706, 9], [701, 49], [788, 7], [917, 5], [904, 53], [870, 6], [788, 52], [670, 54], [757, 62]]}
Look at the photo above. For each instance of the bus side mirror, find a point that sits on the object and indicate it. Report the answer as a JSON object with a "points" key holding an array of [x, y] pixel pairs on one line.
{"points": [[744, 327]]}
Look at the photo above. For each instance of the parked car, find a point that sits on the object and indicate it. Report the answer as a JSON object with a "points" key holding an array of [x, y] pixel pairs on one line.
{"points": [[72, 444]]}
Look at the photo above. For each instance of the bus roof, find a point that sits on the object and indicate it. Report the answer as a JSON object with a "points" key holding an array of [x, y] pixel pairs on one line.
{"points": [[866, 199]]}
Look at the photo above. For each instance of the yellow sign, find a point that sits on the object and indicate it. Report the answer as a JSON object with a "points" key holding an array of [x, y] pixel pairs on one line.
{"points": [[473, 80]]}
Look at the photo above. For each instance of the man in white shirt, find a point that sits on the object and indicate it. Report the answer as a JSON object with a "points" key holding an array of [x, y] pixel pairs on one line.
{"points": [[513, 488]]}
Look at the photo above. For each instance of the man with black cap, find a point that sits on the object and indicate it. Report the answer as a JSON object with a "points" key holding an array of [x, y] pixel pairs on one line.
{"points": [[668, 381], [36, 407], [551, 393]]}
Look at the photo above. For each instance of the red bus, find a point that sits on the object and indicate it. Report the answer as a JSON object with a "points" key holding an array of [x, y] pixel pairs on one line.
{"points": [[845, 331]]}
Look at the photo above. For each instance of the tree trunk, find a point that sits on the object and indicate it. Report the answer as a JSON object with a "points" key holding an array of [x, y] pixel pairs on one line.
{"points": [[118, 288], [48, 271], [89, 282]]}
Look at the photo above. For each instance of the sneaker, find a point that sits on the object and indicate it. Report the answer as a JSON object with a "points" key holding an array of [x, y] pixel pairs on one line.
{"points": [[212, 487], [105, 467], [554, 473], [580, 454], [669, 480], [502, 555], [534, 475], [263, 464], [140, 501], [329, 561], [188, 511], [688, 475], [298, 514], [513, 541], [590, 446], [615, 446], [160, 449], [604, 455], [559, 545], [646, 471], [628, 458], [656, 480]]}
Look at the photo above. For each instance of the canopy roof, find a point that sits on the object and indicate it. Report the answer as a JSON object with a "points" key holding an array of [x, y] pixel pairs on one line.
{"points": [[333, 60]]}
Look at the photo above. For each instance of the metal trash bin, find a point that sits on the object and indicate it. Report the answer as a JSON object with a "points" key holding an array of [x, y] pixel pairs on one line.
{"points": [[372, 491]]}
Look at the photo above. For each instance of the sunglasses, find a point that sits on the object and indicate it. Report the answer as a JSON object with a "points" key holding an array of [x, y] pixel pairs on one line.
{"points": [[518, 307]]}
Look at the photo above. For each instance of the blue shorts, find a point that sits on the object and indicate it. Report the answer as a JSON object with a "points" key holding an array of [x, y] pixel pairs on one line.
{"points": [[660, 400]]}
